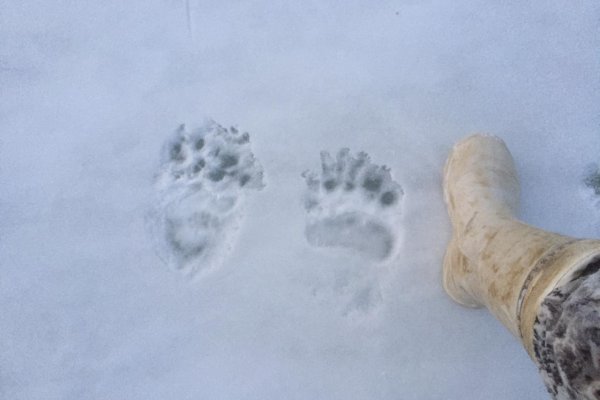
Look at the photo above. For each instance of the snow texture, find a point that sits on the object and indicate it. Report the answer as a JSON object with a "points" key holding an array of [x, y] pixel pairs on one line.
{"points": [[90, 93]]}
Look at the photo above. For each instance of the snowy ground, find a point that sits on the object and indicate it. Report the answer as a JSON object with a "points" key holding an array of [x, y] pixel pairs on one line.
{"points": [[92, 91]]}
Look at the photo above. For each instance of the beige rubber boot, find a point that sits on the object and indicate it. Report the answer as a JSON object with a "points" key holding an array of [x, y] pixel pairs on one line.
{"points": [[494, 260]]}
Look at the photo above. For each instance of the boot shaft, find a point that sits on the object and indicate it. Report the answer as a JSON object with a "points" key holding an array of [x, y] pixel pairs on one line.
{"points": [[481, 186], [495, 260]]}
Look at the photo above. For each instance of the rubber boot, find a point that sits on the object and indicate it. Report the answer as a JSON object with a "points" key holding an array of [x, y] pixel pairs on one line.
{"points": [[493, 259]]}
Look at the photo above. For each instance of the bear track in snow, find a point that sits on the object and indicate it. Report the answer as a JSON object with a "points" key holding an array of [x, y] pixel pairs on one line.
{"points": [[204, 176], [591, 178], [591, 185], [353, 204]]}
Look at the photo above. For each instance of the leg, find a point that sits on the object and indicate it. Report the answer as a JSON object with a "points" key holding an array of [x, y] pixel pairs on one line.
{"points": [[520, 273]]}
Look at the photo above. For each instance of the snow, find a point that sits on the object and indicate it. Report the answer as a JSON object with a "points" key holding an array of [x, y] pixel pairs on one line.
{"points": [[90, 92]]}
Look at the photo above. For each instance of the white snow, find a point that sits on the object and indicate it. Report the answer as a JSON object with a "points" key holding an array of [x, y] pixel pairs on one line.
{"points": [[90, 92]]}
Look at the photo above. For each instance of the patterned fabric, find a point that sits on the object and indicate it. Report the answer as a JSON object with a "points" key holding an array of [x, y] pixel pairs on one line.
{"points": [[567, 338]]}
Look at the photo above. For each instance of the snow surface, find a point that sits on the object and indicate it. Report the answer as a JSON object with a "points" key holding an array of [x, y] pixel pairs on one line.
{"points": [[90, 92]]}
